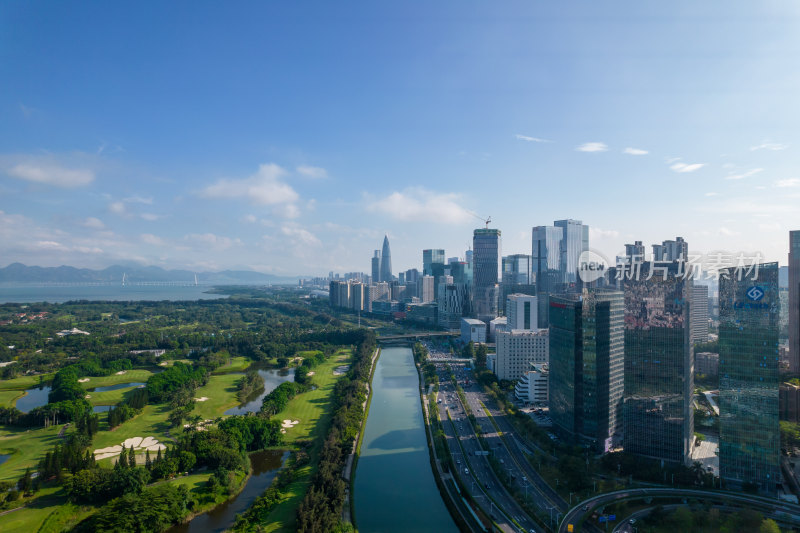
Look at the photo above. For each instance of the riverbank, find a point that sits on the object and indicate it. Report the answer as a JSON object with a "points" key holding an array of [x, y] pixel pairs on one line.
{"points": [[349, 509]]}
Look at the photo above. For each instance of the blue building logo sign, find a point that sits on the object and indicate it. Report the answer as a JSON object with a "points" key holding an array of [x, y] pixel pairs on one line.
{"points": [[755, 293]]}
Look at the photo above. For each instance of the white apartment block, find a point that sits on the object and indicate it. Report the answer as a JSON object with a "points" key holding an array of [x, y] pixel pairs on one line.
{"points": [[518, 349]]}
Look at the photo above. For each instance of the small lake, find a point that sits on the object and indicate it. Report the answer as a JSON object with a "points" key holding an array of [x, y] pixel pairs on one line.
{"points": [[116, 387], [272, 378], [3, 458], [265, 467], [33, 398], [101, 408]]}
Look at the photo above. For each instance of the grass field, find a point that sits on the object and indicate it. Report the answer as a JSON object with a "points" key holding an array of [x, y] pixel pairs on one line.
{"points": [[312, 409], [9, 397], [109, 397], [49, 500], [130, 376], [221, 394], [26, 447], [24, 382], [237, 364], [151, 422]]}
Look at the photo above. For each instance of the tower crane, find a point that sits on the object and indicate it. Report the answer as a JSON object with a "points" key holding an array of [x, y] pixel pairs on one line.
{"points": [[485, 220]]}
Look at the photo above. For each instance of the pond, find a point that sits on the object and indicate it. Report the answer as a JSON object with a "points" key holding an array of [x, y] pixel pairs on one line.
{"points": [[116, 386], [265, 465], [33, 398], [272, 378], [101, 408]]}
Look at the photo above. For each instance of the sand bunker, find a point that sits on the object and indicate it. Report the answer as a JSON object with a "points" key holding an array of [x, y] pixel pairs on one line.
{"points": [[201, 399], [310, 374], [84, 380], [341, 370], [163, 363], [289, 423], [139, 444], [121, 372], [88, 396]]}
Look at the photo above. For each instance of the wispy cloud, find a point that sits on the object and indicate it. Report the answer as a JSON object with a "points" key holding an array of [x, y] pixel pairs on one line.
{"points": [[300, 234], [93, 223], [769, 145], [592, 147], [265, 187], [598, 233], [712, 194], [51, 174], [743, 175], [530, 139], [788, 182], [312, 172], [686, 167], [635, 151], [420, 204]]}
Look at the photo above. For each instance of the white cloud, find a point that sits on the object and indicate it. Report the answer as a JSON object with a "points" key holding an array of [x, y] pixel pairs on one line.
{"points": [[303, 235], [727, 232], [211, 240], [154, 240], [769, 145], [789, 182], [118, 208], [635, 151], [592, 147], [93, 223], [287, 211], [51, 174], [250, 219], [312, 172], [743, 175], [712, 194], [686, 167], [151, 217], [531, 139], [598, 233], [420, 204], [136, 199], [262, 188]]}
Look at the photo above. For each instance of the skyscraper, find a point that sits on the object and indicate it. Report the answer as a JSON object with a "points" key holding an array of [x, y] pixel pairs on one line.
{"points": [[546, 266], [376, 267], [574, 241], [658, 417], [486, 246], [699, 314], [517, 269], [429, 257], [587, 365], [522, 312], [677, 250], [794, 302], [386, 261], [749, 434]]}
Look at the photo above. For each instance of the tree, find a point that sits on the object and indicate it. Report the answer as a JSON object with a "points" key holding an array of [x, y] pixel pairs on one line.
{"points": [[131, 458], [480, 356], [769, 526]]}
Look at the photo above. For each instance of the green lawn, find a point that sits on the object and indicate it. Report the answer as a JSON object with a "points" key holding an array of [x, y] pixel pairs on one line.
{"points": [[312, 409], [151, 422], [9, 397], [130, 376], [26, 447], [221, 394], [24, 382], [237, 364], [109, 397], [32, 517]]}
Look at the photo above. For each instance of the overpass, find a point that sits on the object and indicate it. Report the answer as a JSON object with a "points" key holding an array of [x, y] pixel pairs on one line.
{"points": [[417, 336]]}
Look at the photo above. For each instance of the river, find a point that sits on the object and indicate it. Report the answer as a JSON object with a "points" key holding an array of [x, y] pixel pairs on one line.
{"points": [[394, 486], [27, 293], [265, 467]]}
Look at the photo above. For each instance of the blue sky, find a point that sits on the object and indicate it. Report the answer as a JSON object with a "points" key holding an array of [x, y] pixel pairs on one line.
{"points": [[289, 138]]}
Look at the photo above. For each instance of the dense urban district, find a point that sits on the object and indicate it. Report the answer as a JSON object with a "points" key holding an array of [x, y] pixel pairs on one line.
{"points": [[138, 416]]}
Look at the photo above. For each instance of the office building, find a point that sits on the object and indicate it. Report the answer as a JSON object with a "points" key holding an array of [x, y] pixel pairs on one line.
{"points": [[789, 402], [634, 252], [794, 302], [473, 330], [699, 314], [677, 250], [376, 266], [486, 245], [749, 434], [454, 303], [546, 266], [574, 241], [658, 419], [587, 366], [532, 387], [517, 349], [386, 261], [429, 257], [517, 270], [426, 289], [706, 363], [522, 312]]}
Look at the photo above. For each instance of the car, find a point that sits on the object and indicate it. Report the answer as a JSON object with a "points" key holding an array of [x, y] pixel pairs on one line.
{"points": [[586, 507], [632, 521], [466, 471]]}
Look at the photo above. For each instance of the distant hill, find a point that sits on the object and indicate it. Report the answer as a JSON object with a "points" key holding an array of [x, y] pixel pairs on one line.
{"points": [[19, 273]]}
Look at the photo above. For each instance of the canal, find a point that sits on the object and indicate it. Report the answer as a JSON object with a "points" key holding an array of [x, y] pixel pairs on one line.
{"points": [[394, 487]]}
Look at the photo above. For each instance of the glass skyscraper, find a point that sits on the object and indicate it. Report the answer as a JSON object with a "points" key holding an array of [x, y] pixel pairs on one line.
{"points": [[386, 261], [749, 442], [546, 266], [486, 246], [658, 418], [429, 257], [586, 366], [794, 302], [574, 241]]}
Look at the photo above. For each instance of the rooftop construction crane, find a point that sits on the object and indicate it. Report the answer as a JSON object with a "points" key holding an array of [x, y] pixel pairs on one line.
{"points": [[485, 220]]}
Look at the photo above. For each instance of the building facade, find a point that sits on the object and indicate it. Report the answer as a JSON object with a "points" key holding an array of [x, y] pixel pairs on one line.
{"points": [[522, 312], [487, 247], [473, 330], [386, 261], [532, 387], [658, 418], [749, 442], [794, 302], [587, 366], [699, 314], [517, 350]]}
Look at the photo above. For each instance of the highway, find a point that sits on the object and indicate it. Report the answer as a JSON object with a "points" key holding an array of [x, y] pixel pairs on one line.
{"points": [[474, 470]]}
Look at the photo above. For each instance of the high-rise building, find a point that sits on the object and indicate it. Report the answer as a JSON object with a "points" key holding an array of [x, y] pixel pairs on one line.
{"points": [[658, 418], [522, 312], [677, 250], [546, 266], [517, 350], [427, 289], [794, 302], [517, 269], [587, 366], [429, 257], [574, 241], [635, 251], [454, 302], [386, 261], [376, 266], [749, 434], [699, 315], [486, 247]]}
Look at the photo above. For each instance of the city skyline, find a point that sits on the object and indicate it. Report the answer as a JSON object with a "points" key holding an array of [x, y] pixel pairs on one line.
{"points": [[261, 139]]}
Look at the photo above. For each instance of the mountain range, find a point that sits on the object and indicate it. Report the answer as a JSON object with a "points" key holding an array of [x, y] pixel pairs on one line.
{"points": [[19, 273]]}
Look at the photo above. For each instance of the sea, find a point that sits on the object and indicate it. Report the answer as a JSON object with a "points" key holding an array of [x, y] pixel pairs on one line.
{"points": [[58, 293]]}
